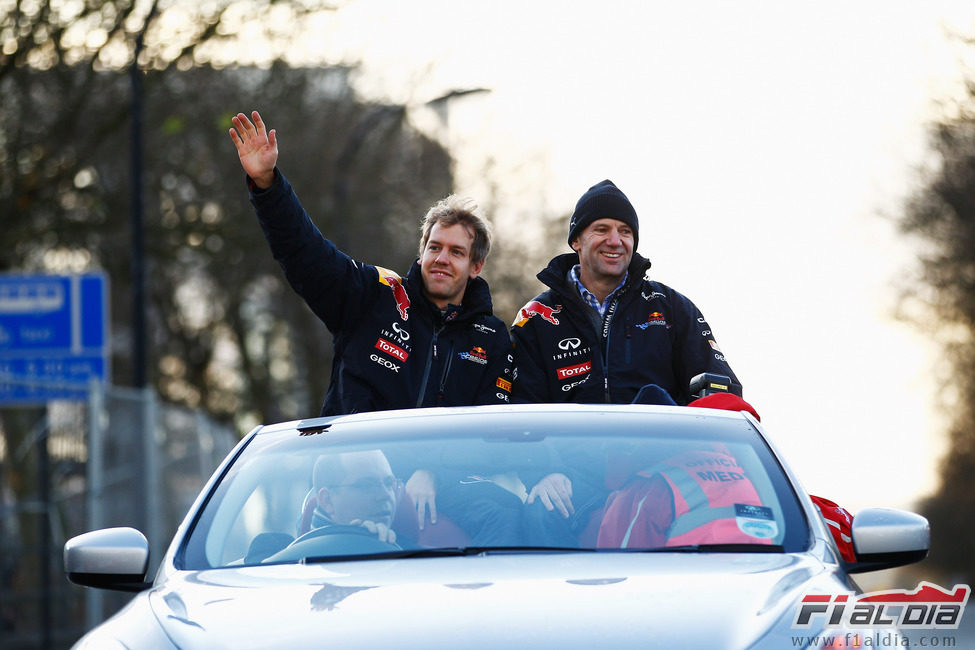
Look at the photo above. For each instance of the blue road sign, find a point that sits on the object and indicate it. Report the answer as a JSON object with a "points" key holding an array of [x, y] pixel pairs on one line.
{"points": [[53, 336]]}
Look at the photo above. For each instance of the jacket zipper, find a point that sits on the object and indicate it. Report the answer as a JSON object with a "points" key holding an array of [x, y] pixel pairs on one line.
{"points": [[607, 329], [426, 371], [629, 335], [446, 371]]}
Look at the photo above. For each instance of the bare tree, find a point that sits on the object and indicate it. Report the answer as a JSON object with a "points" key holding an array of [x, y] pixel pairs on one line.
{"points": [[942, 216], [43, 140]]}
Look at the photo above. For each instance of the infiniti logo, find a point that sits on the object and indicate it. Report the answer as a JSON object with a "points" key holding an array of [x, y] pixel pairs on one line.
{"points": [[569, 344], [403, 334]]}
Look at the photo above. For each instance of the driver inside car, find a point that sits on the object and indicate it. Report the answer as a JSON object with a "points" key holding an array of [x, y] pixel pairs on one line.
{"points": [[355, 489]]}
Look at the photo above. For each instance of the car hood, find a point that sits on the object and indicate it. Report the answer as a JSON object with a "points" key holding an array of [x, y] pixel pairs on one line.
{"points": [[534, 600]]}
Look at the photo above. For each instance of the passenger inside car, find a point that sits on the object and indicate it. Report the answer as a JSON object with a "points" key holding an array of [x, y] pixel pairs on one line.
{"points": [[698, 496], [482, 490]]}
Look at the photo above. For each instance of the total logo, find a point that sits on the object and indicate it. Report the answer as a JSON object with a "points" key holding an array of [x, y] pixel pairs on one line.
{"points": [[392, 350], [574, 371], [386, 363]]}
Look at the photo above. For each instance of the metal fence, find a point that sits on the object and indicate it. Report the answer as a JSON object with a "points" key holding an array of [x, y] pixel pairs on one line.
{"points": [[120, 458]]}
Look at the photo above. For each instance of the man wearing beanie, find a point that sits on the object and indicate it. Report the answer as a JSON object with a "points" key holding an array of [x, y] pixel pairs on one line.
{"points": [[602, 330]]}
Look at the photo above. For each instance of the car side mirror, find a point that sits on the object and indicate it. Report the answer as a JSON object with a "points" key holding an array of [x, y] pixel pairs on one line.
{"points": [[110, 558], [884, 538]]}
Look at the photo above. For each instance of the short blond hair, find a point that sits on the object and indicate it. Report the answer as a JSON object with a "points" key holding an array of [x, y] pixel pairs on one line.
{"points": [[453, 210]]}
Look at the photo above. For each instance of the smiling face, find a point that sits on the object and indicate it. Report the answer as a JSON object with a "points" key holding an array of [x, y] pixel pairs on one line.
{"points": [[446, 266], [605, 248]]}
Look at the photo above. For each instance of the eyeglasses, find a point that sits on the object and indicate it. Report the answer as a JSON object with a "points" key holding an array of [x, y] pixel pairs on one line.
{"points": [[389, 484]]}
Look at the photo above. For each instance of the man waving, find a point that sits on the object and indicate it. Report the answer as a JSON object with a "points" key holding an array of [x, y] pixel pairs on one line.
{"points": [[427, 339]]}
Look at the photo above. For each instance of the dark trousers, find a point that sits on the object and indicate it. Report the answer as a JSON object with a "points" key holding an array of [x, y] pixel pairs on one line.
{"points": [[487, 512], [492, 516], [550, 528]]}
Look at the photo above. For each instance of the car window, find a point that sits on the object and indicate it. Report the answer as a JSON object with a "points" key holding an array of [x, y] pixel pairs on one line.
{"points": [[605, 484]]}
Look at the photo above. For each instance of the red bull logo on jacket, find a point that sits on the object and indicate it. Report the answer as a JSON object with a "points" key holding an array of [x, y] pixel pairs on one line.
{"points": [[395, 282], [535, 308], [655, 318], [477, 355]]}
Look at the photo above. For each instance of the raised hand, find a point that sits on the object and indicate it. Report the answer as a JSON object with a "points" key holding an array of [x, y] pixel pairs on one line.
{"points": [[256, 147]]}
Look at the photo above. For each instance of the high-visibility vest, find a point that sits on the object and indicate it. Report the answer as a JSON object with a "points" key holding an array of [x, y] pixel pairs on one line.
{"points": [[714, 501], [696, 497]]}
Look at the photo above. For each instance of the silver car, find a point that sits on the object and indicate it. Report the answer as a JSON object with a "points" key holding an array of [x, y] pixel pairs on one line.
{"points": [[557, 526]]}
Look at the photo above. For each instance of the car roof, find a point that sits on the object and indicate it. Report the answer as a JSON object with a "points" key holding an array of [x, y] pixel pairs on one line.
{"points": [[446, 418]]}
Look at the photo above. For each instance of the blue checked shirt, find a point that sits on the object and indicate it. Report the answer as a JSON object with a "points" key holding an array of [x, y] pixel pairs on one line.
{"points": [[588, 296]]}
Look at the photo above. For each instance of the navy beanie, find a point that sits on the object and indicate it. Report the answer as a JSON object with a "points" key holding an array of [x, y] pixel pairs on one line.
{"points": [[603, 201]]}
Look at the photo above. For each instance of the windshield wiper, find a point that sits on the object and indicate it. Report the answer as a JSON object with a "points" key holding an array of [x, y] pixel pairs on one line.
{"points": [[710, 548], [444, 551], [491, 550], [465, 551]]}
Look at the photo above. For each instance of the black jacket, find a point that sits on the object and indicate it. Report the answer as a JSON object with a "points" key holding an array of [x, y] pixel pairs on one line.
{"points": [[651, 334], [393, 347]]}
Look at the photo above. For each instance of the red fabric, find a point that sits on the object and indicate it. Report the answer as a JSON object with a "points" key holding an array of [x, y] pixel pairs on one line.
{"points": [[589, 534], [725, 401], [443, 533], [839, 521], [638, 515]]}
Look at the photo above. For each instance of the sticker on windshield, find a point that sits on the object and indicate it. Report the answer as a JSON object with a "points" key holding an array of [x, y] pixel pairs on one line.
{"points": [[756, 521]]}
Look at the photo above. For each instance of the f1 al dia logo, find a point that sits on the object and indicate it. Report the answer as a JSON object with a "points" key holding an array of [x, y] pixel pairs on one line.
{"points": [[926, 607]]}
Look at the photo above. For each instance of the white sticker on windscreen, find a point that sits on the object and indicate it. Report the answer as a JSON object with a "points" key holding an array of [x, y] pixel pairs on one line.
{"points": [[756, 521]]}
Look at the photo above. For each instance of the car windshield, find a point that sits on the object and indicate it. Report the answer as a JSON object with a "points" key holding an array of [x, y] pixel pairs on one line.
{"points": [[501, 480]]}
